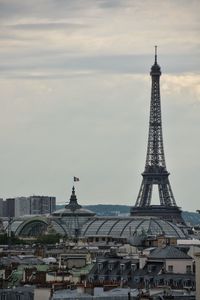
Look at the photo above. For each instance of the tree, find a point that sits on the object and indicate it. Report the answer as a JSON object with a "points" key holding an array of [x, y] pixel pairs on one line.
{"points": [[48, 239]]}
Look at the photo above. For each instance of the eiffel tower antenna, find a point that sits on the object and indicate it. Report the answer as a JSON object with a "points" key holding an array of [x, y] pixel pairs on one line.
{"points": [[155, 172], [155, 54]]}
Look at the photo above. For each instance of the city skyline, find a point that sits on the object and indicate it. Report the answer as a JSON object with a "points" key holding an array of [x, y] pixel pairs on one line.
{"points": [[75, 100]]}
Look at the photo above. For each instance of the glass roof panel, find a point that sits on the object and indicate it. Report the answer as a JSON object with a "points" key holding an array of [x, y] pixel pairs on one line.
{"points": [[106, 227], [133, 227], [93, 227], [119, 227]]}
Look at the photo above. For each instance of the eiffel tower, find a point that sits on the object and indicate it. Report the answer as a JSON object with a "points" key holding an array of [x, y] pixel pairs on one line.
{"points": [[155, 172]]}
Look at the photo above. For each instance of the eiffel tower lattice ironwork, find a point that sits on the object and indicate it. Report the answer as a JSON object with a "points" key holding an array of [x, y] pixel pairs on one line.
{"points": [[155, 172]]}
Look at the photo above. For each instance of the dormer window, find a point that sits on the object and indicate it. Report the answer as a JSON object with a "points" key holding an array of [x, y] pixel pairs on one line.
{"points": [[110, 267], [122, 267], [133, 267], [170, 268], [100, 267], [188, 269], [149, 269]]}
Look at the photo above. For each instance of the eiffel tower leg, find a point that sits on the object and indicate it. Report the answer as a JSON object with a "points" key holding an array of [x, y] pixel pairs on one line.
{"points": [[164, 194], [148, 193], [138, 201], [161, 196], [173, 202], [144, 196]]}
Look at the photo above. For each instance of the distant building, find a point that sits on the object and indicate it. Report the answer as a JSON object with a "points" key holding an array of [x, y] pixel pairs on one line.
{"points": [[33, 205], [42, 205], [22, 206], [18, 293], [16, 207], [1, 207], [10, 207], [197, 260]]}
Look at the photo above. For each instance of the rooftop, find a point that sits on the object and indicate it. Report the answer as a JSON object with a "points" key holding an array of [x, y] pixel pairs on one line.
{"points": [[168, 252]]}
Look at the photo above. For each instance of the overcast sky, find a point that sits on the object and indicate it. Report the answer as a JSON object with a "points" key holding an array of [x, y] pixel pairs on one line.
{"points": [[75, 97]]}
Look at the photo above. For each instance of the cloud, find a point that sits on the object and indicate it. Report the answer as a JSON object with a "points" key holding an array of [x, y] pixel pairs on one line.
{"points": [[46, 26], [54, 64], [112, 3], [16, 9], [187, 85]]}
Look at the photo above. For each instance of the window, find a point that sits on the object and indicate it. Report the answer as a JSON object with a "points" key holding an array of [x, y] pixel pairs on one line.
{"points": [[122, 267], [100, 267], [133, 267], [188, 269], [170, 268], [150, 268], [110, 266]]}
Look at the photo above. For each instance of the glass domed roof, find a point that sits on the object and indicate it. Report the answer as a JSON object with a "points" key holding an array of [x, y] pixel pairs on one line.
{"points": [[129, 227]]}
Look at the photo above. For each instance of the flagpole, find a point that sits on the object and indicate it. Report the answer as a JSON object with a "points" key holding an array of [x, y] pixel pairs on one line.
{"points": [[75, 179]]}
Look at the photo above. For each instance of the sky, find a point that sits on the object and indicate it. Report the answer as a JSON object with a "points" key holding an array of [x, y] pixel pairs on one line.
{"points": [[75, 97]]}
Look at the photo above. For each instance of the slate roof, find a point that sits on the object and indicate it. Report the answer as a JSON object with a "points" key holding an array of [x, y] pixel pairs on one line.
{"points": [[154, 272], [21, 259], [168, 252]]}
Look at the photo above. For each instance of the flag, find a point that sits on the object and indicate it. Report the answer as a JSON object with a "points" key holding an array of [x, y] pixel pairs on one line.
{"points": [[76, 179]]}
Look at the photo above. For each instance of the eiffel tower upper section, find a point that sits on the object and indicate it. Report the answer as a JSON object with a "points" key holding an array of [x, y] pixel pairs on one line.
{"points": [[155, 160], [155, 172]]}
